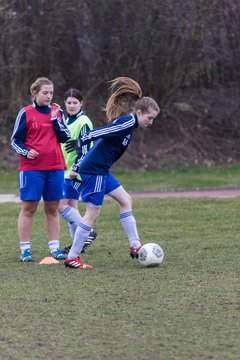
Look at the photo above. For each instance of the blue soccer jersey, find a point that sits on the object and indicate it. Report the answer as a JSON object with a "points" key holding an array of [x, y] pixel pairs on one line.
{"points": [[111, 142]]}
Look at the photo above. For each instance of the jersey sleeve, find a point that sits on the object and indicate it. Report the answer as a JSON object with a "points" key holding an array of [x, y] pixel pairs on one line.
{"points": [[60, 127], [19, 133], [120, 127]]}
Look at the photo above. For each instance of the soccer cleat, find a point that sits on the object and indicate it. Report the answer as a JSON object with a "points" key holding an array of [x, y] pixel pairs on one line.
{"points": [[26, 256], [134, 252], [58, 255], [92, 236], [76, 263], [67, 249]]}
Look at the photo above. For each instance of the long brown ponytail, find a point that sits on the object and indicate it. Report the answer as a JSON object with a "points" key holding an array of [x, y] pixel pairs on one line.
{"points": [[125, 93]]}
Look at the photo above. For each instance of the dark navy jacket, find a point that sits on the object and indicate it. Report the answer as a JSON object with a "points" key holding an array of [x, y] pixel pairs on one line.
{"points": [[111, 142]]}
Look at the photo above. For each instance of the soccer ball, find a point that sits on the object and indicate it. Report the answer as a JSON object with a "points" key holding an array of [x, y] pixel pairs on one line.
{"points": [[150, 255]]}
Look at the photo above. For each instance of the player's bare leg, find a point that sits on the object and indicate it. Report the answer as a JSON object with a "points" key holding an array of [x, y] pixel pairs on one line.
{"points": [[25, 221], [53, 228]]}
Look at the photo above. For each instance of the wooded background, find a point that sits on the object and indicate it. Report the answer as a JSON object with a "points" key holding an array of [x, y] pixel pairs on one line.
{"points": [[184, 53]]}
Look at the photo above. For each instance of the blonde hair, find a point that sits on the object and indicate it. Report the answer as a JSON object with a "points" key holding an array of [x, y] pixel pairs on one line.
{"points": [[37, 85], [125, 93]]}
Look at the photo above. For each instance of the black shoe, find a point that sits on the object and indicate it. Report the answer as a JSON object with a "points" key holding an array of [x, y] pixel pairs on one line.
{"points": [[67, 249], [92, 236]]}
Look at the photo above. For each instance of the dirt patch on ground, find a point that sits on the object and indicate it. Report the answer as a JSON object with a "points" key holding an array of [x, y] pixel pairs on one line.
{"points": [[218, 193]]}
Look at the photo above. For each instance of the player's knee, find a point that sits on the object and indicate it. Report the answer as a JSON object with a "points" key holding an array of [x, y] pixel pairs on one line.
{"points": [[126, 201], [28, 211], [53, 212]]}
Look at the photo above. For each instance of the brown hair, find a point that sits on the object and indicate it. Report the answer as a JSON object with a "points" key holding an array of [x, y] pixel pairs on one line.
{"points": [[125, 93], [73, 93], [146, 103], [37, 85]]}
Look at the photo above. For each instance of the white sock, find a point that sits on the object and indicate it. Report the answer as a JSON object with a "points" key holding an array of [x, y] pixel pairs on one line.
{"points": [[79, 240], [71, 215], [53, 245], [24, 245], [129, 225], [72, 228]]}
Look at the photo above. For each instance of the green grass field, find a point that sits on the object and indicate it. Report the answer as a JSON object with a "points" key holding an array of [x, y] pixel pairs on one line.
{"points": [[188, 308]]}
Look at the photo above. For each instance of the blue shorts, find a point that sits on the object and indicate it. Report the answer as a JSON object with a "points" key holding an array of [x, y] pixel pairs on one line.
{"points": [[37, 184], [94, 187], [72, 188]]}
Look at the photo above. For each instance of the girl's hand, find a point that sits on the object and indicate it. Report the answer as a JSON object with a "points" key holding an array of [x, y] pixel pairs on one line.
{"points": [[73, 174], [55, 110], [32, 154]]}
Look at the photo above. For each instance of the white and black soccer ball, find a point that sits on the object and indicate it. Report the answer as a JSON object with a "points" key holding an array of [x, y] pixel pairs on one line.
{"points": [[150, 255]]}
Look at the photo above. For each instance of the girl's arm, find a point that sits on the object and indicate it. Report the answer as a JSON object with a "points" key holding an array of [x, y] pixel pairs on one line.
{"points": [[59, 125], [119, 127], [19, 133], [82, 150]]}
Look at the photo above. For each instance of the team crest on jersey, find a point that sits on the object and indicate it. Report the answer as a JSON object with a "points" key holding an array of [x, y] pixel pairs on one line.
{"points": [[126, 140]]}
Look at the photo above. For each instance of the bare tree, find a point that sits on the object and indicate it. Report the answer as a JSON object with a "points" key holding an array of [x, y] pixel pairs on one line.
{"points": [[184, 53]]}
